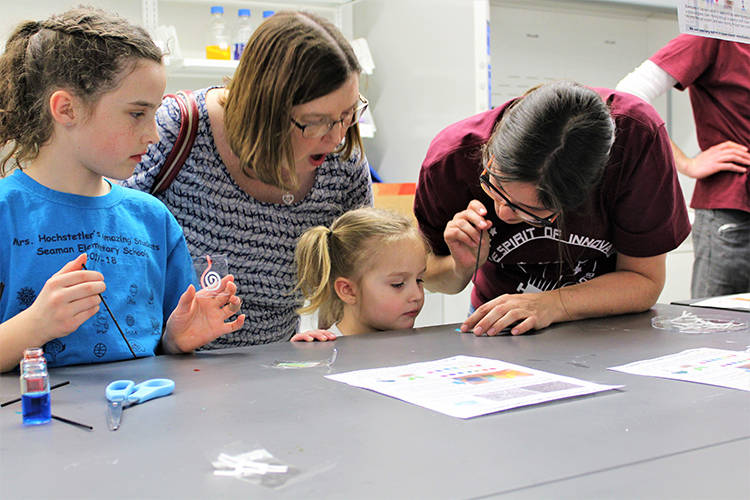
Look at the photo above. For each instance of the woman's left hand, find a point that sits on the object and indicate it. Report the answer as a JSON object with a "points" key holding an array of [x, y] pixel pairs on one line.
{"points": [[519, 312], [201, 316]]}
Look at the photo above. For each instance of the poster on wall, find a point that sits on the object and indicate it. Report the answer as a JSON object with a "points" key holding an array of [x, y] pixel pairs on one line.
{"points": [[723, 19]]}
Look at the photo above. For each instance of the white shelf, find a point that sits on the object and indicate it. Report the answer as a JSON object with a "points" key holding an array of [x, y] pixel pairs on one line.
{"points": [[201, 67]]}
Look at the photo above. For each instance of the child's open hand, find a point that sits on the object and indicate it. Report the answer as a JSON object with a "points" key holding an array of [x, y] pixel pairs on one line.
{"points": [[67, 300], [322, 335], [201, 316]]}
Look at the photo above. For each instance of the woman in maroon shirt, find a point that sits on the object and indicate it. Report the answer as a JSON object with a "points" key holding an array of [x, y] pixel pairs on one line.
{"points": [[586, 206]]}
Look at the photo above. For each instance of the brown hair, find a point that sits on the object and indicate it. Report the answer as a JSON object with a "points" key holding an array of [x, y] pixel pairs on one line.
{"points": [[345, 250], [84, 50], [291, 59]]}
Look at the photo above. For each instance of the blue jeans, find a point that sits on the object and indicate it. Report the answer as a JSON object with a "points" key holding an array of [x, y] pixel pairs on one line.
{"points": [[721, 242]]}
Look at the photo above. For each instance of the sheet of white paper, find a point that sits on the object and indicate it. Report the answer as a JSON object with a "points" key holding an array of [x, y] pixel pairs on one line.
{"points": [[465, 386], [723, 19], [705, 366], [739, 301]]}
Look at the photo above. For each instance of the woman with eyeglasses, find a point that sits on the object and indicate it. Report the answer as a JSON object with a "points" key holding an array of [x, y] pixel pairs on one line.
{"points": [[277, 152], [559, 205]]}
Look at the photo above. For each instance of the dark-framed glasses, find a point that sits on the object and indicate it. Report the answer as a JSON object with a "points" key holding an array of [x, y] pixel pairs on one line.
{"points": [[499, 197], [316, 130]]}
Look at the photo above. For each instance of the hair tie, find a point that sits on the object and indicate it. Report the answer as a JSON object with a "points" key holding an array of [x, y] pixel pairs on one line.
{"points": [[329, 233]]}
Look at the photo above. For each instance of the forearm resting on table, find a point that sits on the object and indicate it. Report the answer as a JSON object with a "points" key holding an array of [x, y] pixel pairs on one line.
{"points": [[633, 287], [443, 277]]}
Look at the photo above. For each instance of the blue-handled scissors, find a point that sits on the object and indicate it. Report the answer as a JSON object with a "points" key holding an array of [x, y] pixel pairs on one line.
{"points": [[121, 393]]}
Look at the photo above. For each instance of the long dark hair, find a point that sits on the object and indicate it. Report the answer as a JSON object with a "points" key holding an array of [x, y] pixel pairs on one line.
{"points": [[557, 137]]}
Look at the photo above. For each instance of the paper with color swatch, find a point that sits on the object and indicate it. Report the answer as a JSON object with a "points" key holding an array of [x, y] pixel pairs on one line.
{"points": [[738, 302], [465, 386], [719, 367]]}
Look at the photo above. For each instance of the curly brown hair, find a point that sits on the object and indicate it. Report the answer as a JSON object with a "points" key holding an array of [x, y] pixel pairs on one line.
{"points": [[85, 51]]}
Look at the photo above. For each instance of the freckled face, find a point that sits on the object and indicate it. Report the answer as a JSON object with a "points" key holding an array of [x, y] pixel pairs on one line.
{"points": [[111, 140]]}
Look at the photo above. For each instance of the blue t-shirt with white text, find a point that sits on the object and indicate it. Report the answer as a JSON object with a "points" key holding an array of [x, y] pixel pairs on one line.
{"points": [[129, 236]]}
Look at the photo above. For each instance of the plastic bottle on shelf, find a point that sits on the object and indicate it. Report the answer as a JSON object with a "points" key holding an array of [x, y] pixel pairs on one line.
{"points": [[241, 33], [268, 13], [217, 43], [35, 400]]}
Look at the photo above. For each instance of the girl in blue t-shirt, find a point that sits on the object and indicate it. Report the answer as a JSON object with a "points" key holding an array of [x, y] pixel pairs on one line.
{"points": [[78, 95]]}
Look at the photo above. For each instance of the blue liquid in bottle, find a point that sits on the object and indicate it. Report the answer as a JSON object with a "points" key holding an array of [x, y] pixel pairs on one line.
{"points": [[35, 388], [36, 408]]}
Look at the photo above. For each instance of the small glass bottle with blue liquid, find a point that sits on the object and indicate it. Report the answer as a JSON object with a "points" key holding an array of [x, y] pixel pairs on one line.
{"points": [[35, 398]]}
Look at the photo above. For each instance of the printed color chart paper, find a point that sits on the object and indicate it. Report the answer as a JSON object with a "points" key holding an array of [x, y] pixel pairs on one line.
{"points": [[465, 387], [705, 366], [738, 302]]}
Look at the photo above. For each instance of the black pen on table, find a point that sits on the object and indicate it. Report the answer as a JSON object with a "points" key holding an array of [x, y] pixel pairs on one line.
{"points": [[113, 319], [71, 422]]}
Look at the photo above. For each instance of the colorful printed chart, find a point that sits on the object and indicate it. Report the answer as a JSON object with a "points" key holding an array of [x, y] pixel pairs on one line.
{"points": [[705, 366], [465, 387]]}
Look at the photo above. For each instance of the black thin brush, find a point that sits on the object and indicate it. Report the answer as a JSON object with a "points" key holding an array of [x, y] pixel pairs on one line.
{"points": [[479, 253], [113, 319]]}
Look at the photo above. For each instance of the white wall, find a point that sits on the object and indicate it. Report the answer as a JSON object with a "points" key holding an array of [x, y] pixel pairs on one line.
{"points": [[423, 79], [12, 12]]}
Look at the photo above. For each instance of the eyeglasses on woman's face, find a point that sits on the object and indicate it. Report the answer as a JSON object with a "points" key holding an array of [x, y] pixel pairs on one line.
{"points": [[319, 129], [499, 197]]}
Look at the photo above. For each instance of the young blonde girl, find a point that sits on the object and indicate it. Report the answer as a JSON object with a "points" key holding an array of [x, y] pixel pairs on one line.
{"points": [[78, 94], [362, 275]]}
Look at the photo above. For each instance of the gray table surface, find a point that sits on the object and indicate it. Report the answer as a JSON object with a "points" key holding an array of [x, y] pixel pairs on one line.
{"points": [[654, 438]]}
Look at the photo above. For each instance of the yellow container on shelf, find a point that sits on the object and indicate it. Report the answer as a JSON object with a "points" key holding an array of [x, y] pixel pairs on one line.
{"points": [[217, 52], [217, 36]]}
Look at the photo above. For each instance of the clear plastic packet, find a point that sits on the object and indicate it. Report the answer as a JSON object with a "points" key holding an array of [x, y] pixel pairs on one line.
{"points": [[693, 324], [211, 269], [252, 464], [296, 365]]}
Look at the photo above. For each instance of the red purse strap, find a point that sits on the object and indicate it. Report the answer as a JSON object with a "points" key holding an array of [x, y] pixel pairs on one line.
{"points": [[184, 143]]}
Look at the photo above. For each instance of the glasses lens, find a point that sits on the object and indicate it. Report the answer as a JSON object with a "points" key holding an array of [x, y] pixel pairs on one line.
{"points": [[489, 191], [316, 130], [358, 114], [498, 197]]}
